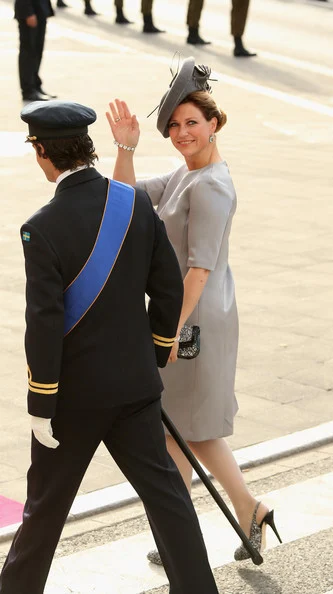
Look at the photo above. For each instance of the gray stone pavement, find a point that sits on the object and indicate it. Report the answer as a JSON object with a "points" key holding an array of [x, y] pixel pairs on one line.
{"points": [[108, 549], [277, 144]]}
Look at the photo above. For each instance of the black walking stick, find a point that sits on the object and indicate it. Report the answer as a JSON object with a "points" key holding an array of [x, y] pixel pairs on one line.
{"points": [[255, 555]]}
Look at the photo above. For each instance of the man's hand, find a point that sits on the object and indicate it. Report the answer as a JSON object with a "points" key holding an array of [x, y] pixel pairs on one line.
{"points": [[31, 21], [42, 430]]}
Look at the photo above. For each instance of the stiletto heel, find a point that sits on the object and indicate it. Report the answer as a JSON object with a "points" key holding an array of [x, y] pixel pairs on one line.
{"points": [[269, 519], [257, 534]]}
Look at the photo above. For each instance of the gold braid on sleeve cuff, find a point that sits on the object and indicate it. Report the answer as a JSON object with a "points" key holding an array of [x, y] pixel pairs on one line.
{"points": [[41, 388], [162, 341]]}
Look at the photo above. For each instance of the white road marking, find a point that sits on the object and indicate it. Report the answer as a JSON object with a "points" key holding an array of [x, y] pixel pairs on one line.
{"points": [[269, 56], [270, 92]]}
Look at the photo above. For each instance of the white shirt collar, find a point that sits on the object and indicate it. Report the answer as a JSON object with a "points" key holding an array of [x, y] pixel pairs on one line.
{"points": [[68, 172]]}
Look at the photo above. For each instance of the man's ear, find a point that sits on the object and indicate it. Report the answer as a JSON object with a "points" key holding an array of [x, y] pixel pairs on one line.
{"points": [[40, 150]]}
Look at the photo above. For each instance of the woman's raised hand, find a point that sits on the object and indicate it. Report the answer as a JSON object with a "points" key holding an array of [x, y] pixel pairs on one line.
{"points": [[124, 126]]}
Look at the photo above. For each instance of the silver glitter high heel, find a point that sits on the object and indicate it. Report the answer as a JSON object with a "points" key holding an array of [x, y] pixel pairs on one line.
{"points": [[257, 534], [154, 557]]}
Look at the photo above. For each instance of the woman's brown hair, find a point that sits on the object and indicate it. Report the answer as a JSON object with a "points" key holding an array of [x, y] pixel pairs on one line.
{"points": [[205, 102]]}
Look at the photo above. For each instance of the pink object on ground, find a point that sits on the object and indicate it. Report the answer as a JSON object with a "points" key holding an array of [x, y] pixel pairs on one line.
{"points": [[10, 511]]}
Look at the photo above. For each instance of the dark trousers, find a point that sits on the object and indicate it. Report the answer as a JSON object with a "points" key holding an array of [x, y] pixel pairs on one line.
{"points": [[30, 55], [146, 5], [134, 436], [239, 12], [194, 13]]}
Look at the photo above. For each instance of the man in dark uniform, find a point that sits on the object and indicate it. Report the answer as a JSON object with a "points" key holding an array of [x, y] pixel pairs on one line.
{"points": [[194, 11], [88, 9], [146, 10], [32, 16], [91, 255], [239, 12]]}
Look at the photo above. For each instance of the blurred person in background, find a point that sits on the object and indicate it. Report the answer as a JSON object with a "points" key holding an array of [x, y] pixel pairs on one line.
{"points": [[32, 17], [88, 9], [147, 15], [239, 12]]}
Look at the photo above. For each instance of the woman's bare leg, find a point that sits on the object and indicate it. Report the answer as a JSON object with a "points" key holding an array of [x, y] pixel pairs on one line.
{"points": [[181, 461], [217, 457]]}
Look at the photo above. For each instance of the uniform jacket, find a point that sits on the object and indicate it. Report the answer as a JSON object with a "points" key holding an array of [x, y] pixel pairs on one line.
{"points": [[110, 357], [26, 8]]}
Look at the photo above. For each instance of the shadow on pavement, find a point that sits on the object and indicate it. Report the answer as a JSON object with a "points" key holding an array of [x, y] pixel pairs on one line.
{"points": [[259, 581]]}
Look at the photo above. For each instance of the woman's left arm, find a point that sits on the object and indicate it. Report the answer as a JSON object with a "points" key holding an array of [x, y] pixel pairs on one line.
{"points": [[194, 284], [209, 213]]}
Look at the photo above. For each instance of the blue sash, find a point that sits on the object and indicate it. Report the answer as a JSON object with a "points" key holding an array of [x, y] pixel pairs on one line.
{"points": [[83, 291]]}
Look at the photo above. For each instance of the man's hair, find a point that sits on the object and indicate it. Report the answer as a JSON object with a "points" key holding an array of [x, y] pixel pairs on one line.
{"points": [[67, 153]]}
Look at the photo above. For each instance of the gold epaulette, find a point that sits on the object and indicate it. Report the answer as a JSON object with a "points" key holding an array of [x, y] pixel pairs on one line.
{"points": [[41, 388], [164, 342]]}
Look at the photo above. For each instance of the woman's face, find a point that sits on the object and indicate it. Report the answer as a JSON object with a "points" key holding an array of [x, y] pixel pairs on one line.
{"points": [[189, 130]]}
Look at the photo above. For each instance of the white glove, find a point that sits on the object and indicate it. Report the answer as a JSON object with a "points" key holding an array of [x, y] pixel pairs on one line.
{"points": [[42, 430]]}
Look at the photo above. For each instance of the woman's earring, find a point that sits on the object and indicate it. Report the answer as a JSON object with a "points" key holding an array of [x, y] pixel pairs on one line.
{"points": [[211, 138]]}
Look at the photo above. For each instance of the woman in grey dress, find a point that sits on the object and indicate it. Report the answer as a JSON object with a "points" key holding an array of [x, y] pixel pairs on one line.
{"points": [[197, 203]]}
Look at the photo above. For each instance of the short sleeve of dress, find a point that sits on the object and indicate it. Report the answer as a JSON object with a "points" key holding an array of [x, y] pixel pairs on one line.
{"points": [[211, 205], [154, 187]]}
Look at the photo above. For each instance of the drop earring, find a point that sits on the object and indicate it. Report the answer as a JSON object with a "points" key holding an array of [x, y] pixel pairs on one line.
{"points": [[211, 138]]}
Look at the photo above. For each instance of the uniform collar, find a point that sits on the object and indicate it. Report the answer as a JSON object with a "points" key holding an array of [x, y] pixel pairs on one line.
{"points": [[78, 177], [68, 172]]}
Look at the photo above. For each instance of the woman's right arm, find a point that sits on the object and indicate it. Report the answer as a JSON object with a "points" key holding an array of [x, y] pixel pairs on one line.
{"points": [[126, 131], [124, 167]]}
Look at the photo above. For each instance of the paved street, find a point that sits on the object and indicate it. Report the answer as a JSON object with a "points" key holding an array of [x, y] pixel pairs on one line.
{"points": [[106, 553], [113, 561], [278, 144]]}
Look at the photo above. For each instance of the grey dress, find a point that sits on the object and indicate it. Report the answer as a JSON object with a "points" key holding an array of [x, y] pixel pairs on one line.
{"points": [[197, 208]]}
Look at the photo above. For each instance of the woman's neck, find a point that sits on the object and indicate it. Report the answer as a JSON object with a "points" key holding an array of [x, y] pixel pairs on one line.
{"points": [[200, 161]]}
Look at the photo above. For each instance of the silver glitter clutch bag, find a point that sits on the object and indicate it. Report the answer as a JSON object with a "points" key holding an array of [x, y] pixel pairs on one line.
{"points": [[189, 342]]}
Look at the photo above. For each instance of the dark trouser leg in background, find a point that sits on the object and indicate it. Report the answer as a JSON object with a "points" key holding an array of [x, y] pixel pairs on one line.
{"points": [[239, 12], [148, 25], [53, 480], [88, 9], [39, 51], [193, 18], [120, 18], [137, 444], [30, 55]]}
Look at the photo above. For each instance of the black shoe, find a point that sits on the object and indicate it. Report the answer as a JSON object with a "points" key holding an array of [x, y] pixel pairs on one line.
{"points": [[47, 95], [121, 19], [35, 96], [240, 51], [148, 26], [151, 29], [89, 11], [243, 53], [257, 532], [194, 37], [61, 4]]}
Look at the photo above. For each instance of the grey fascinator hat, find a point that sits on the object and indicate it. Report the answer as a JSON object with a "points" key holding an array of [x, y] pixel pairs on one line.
{"points": [[188, 78]]}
